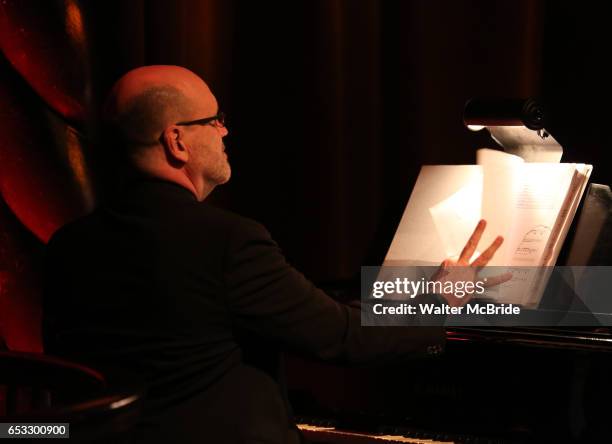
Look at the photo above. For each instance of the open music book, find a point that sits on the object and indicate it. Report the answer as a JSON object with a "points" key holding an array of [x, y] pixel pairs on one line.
{"points": [[530, 204]]}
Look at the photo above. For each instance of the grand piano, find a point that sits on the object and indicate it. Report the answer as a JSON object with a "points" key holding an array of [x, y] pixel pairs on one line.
{"points": [[492, 385], [498, 384]]}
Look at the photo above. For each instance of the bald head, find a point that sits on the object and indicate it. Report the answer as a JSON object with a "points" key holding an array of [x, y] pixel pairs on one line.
{"points": [[167, 121], [147, 100]]}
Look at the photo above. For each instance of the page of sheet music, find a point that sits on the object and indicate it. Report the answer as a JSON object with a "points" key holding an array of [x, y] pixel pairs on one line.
{"points": [[443, 209]]}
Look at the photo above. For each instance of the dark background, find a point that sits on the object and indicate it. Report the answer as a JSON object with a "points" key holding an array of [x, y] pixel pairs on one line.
{"points": [[333, 106]]}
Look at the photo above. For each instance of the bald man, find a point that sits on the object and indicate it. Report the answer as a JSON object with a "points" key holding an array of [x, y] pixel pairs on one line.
{"points": [[194, 302], [169, 124]]}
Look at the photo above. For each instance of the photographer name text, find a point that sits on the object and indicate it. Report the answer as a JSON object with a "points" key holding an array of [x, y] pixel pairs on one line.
{"points": [[434, 309]]}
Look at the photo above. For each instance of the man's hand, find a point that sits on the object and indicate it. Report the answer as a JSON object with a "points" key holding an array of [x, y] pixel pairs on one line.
{"points": [[462, 271]]}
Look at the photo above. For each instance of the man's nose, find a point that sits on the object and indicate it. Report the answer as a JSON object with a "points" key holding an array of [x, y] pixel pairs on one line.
{"points": [[224, 131]]}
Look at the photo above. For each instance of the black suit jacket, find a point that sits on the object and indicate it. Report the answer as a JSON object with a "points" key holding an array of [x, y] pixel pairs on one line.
{"points": [[195, 302]]}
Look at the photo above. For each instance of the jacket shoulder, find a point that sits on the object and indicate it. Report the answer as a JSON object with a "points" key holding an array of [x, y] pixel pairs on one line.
{"points": [[229, 221]]}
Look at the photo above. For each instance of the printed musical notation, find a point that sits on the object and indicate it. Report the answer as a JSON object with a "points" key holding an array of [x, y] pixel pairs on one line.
{"points": [[532, 244]]}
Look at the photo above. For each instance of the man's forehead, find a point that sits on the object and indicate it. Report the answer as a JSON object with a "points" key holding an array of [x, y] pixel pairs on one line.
{"points": [[205, 102], [199, 94]]}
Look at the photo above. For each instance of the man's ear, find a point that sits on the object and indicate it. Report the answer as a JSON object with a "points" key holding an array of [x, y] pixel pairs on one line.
{"points": [[173, 140]]}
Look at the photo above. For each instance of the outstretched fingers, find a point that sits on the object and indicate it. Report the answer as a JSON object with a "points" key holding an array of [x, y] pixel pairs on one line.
{"points": [[487, 255], [472, 243]]}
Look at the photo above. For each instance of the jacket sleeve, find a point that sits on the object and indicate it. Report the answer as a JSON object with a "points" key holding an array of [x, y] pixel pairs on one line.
{"points": [[269, 297]]}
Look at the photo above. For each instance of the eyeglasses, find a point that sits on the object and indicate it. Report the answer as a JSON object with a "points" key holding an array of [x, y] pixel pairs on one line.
{"points": [[217, 120]]}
